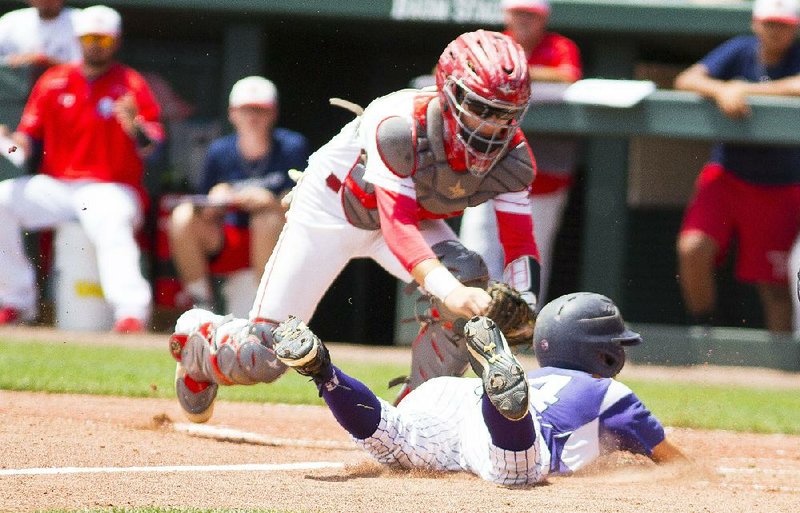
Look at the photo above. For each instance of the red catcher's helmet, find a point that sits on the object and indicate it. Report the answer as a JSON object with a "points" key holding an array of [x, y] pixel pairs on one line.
{"points": [[484, 87]]}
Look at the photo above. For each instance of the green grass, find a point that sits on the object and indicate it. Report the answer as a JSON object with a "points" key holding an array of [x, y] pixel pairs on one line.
{"points": [[81, 369], [721, 407], [73, 368]]}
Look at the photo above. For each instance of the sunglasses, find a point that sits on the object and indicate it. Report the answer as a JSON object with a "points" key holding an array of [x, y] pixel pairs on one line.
{"points": [[102, 40]]}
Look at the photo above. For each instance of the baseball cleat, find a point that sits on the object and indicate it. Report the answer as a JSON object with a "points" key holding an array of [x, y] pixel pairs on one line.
{"points": [[297, 347], [504, 379], [195, 397]]}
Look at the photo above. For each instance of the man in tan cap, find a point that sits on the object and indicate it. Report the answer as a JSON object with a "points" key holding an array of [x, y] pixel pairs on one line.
{"points": [[245, 176]]}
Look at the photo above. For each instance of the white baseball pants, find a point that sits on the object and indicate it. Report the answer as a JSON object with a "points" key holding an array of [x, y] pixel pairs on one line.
{"points": [[317, 241], [108, 212]]}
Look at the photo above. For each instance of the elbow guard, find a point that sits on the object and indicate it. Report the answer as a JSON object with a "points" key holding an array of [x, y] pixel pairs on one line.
{"points": [[523, 274]]}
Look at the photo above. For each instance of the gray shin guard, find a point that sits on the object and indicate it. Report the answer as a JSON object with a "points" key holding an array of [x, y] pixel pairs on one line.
{"points": [[440, 348], [240, 353]]}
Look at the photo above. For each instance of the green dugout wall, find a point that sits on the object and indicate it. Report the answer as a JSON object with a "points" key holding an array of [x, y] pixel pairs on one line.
{"points": [[359, 49]]}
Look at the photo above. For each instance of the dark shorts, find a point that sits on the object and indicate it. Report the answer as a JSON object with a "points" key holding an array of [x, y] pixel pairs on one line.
{"points": [[765, 219], [235, 253]]}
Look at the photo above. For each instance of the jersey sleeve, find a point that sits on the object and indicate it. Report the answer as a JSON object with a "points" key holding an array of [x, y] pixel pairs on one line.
{"points": [[400, 227], [212, 168], [148, 108], [31, 120], [626, 423], [377, 172], [568, 58], [515, 225], [721, 61]]}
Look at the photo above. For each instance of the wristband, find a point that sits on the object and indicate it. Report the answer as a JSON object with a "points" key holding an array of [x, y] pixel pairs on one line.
{"points": [[441, 283]]}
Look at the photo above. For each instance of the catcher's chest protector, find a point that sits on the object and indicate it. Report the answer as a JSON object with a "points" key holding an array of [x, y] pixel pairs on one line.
{"points": [[418, 151]]}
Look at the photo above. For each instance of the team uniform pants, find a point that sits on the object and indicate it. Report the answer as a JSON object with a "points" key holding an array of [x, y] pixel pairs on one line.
{"points": [[317, 240], [479, 233], [108, 212], [446, 424]]}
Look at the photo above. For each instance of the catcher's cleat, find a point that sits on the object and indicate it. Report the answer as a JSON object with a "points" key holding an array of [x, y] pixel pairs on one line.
{"points": [[297, 347], [195, 397], [503, 377]]}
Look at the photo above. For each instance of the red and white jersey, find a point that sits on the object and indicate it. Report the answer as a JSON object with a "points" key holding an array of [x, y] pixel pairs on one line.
{"points": [[74, 119], [397, 195]]}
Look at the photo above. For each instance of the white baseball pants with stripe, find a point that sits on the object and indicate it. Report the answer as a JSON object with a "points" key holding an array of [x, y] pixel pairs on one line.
{"points": [[317, 241]]}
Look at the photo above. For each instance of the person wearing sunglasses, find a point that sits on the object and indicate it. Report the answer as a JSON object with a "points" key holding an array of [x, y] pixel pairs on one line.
{"points": [[94, 121], [40, 35]]}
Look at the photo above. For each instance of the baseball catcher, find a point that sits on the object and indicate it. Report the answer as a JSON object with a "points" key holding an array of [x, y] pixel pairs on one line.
{"points": [[381, 188]]}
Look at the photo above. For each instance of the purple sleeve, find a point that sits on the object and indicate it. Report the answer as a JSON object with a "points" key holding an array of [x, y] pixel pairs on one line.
{"points": [[724, 61], [628, 425]]}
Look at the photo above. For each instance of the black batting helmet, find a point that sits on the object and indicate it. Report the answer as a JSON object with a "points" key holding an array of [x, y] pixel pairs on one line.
{"points": [[583, 331]]}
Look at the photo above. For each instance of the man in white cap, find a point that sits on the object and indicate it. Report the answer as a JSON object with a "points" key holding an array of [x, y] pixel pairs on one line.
{"points": [[94, 121], [551, 58], [746, 191], [40, 35], [246, 172]]}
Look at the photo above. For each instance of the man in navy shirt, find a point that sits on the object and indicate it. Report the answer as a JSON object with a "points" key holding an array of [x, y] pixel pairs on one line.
{"points": [[236, 225], [748, 191]]}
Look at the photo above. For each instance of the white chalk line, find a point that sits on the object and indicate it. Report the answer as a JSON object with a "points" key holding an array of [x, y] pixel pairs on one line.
{"points": [[766, 472], [775, 471], [248, 467], [762, 488], [760, 461], [227, 434]]}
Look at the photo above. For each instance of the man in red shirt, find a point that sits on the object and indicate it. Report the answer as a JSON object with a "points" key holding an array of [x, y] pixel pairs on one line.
{"points": [[551, 58], [95, 121]]}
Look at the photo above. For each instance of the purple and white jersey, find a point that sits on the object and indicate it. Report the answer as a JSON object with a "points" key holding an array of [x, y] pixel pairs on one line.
{"points": [[439, 426], [581, 417], [576, 418]]}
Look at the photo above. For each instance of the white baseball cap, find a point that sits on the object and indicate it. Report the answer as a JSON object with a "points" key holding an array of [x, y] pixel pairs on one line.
{"points": [[537, 6], [782, 11], [98, 19], [255, 91]]}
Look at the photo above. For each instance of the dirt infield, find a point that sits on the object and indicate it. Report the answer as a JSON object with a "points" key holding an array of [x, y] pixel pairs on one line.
{"points": [[136, 455]]}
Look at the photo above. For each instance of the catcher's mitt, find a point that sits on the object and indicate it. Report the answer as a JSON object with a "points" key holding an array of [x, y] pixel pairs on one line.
{"points": [[512, 314]]}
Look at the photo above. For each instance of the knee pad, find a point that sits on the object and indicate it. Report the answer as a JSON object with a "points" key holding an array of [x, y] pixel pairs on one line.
{"points": [[234, 352]]}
